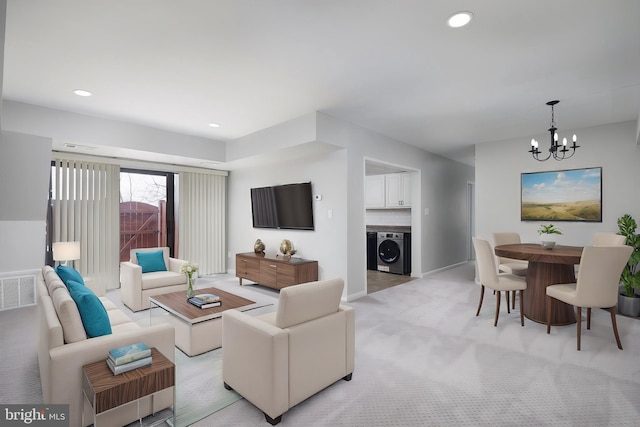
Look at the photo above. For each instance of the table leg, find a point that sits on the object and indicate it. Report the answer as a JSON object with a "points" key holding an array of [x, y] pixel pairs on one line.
{"points": [[539, 276]]}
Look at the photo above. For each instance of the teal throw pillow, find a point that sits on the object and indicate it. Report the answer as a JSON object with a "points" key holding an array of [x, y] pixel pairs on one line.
{"points": [[151, 261], [93, 314], [67, 273]]}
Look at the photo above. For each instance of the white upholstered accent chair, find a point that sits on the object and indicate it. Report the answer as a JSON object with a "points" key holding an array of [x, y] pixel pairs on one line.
{"points": [[597, 285], [490, 278], [608, 239], [136, 287], [277, 360], [510, 265]]}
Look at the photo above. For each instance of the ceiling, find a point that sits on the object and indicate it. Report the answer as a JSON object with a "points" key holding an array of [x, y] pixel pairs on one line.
{"points": [[393, 67]]}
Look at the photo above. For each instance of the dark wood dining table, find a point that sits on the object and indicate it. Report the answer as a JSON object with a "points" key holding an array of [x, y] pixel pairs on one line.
{"points": [[546, 267]]}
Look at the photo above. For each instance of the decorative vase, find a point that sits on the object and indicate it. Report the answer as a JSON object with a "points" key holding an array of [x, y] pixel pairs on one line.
{"points": [[547, 242], [628, 306], [190, 291]]}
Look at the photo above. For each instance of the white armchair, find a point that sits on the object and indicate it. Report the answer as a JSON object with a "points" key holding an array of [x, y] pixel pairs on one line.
{"points": [[277, 360], [136, 287]]}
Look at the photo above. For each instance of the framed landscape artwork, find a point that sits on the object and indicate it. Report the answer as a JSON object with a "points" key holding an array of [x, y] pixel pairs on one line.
{"points": [[564, 195]]}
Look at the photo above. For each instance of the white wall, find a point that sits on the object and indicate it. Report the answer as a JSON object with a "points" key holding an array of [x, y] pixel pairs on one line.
{"points": [[314, 147], [438, 239], [88, 130], [25, 166], [499, 165], [388, 217], [327, 243], [339, 244]]}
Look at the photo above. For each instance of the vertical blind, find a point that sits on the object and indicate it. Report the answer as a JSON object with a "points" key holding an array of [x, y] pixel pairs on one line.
{"points": [[85, 209], [202, 219]]}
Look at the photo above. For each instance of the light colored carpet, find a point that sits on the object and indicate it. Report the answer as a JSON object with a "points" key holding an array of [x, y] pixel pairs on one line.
{"points": [[19, 372], [424, 359], [199, 391]]}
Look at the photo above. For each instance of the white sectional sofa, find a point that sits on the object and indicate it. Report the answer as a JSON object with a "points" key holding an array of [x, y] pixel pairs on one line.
{"points": [[136, 287], [64, 349]]}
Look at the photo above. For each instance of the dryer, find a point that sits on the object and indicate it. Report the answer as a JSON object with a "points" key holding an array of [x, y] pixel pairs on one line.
{"points": [[391, 252]]}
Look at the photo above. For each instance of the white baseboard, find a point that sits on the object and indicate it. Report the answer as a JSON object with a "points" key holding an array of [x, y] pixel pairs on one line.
{"points": [[443, 269]]}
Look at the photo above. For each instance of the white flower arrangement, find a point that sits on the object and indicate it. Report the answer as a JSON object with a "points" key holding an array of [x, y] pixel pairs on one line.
{"points": [[188, 269]]}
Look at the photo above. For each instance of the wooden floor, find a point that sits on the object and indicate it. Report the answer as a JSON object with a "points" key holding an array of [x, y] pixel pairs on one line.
{"points": [[379, 280]]}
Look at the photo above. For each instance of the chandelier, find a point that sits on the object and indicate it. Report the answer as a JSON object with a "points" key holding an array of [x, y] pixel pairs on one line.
{"points": [[558, 151]]}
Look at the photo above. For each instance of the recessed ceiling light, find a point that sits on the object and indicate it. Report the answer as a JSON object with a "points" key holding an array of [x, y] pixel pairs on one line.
{"points": [[214, 125], [81, 92], [460, 19]]}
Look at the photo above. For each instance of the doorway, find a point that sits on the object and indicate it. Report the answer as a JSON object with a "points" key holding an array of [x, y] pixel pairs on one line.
{"points": [[389, 192], [146, 210]]}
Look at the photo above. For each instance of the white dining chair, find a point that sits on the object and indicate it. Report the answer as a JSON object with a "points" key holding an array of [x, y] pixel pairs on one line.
{"points": [[608, 239], [510, 265], [489, 278], [597, 285]]}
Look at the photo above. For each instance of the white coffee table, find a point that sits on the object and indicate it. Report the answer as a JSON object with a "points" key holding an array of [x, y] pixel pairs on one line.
{"points": [[197, 330]]}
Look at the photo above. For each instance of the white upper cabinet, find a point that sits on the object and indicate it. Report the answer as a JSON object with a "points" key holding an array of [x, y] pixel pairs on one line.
{"points": [[398, 187], [374, 191], [388, 191]]}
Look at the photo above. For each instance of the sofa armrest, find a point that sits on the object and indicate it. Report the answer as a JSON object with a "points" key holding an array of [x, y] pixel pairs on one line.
{"points": [[131, 285], [176, 264], [67, 361], [255, 361], [351, 336]]}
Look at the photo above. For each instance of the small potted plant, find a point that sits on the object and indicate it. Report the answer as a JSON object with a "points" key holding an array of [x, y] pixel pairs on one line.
{"points": [[628, 301], [546, 239]]}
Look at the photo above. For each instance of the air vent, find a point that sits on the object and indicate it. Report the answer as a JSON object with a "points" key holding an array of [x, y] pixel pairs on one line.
{"points": [[80, 147], [17, 290]]}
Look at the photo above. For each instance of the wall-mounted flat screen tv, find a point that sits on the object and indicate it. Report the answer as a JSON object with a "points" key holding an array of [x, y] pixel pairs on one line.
{"points": [[287, 206]]}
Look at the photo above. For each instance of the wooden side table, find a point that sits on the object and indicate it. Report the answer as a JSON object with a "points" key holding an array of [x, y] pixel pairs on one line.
{"points": [[106, 391]]}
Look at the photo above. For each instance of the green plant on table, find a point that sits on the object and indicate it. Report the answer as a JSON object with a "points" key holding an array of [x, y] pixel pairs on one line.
{"points": [[630, 276], [548, 229]]}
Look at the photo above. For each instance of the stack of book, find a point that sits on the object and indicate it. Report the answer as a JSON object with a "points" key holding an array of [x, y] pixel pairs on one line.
{"points": [[205, 300], [129, 357]]}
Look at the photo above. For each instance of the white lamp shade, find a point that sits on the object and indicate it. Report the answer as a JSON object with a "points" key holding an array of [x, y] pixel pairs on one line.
{"points": [[66, 251]]}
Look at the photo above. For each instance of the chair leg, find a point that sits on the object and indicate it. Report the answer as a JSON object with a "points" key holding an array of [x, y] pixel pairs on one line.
{"points": [[513, 299], [588, 317], [579, 327], [481, 296], [273, 421], [495, 323], [549, 302], [506, 297], [615, 326], [521, 312]]}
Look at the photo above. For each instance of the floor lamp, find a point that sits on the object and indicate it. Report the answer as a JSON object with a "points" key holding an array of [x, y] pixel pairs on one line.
{"points": [[66, 251]]}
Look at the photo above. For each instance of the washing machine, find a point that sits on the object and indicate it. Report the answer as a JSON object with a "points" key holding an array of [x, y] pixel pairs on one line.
{"points": [[391, 252]]}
